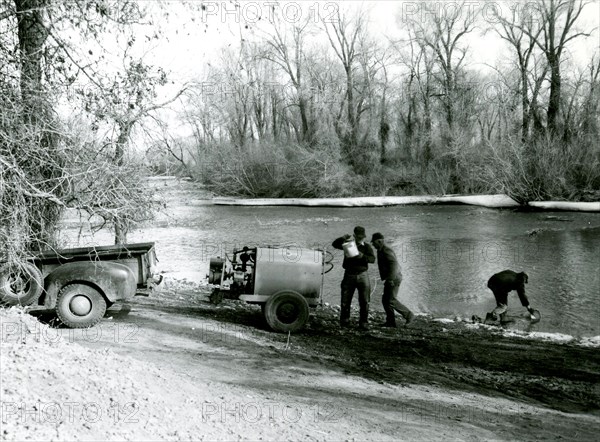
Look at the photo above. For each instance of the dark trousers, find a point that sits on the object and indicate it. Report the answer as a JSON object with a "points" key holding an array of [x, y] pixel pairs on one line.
{"points": [[501, 302], [501, 296], [391, 303], [350, 283]]}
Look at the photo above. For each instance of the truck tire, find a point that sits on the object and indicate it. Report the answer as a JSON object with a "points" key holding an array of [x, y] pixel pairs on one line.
{"points": [[20, 285], [286, 311], [80, 306]]}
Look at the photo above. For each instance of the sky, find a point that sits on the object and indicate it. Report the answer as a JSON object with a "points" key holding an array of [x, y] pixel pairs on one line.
{"points": [[195, 36], [192, 36]]}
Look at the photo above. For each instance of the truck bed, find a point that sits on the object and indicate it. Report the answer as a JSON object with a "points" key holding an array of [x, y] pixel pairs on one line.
{"points": [[140, 258], [97, 253]]}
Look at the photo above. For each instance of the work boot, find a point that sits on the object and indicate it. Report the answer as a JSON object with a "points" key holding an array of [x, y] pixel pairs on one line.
{"points": [[388, 324], [409, 318], [363, 327], [344, 324]]}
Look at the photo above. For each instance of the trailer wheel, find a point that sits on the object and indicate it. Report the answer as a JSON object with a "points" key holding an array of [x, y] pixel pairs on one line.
{"points": [[20, 285], [216, 297], [286, 311], [80, 306]]}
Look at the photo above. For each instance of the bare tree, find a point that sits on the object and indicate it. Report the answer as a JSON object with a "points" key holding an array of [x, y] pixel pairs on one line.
{"points": [[523, 44], [556, 29], [591, 105], [345, 34], [418, 90], [286, 49], [51, 35], [124, 101], [443, 32]]}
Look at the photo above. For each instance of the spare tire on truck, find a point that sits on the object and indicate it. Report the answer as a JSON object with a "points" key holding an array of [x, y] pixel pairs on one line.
{"points": [[20, 284], [286, 311]]}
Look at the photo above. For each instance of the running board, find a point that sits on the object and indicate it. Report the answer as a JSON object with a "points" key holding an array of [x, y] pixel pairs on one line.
{"points": [[261, 299]]}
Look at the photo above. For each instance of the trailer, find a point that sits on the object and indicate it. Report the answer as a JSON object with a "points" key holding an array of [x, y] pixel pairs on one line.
{"points": [[80, 283], [285, 281]]}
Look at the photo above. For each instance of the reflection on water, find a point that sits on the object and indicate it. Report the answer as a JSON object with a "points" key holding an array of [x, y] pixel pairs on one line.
{"points": [[447, 253]]}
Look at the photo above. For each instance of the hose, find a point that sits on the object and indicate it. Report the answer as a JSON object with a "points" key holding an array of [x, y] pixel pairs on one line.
{"points": [[330, 268], [328, 261], [373, 291]]}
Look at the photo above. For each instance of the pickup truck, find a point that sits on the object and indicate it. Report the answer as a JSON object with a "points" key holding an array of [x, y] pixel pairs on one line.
{"points": [[80, 284]]}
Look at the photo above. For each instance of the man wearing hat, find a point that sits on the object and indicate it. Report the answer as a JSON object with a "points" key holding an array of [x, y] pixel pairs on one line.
{"points": [[389, 270], [356, 277]]}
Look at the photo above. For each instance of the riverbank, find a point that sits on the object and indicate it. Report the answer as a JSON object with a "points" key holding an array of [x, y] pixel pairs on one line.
{"points": [[173, 367], [489, 201], [499, 201]]}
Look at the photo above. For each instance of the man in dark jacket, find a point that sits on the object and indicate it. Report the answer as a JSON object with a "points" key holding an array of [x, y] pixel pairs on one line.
{"points": [[389, 271], [356, 277], [504, 282]]}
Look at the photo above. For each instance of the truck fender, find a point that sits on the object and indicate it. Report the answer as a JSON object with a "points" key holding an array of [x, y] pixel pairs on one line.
{"points": [[115, 281]]}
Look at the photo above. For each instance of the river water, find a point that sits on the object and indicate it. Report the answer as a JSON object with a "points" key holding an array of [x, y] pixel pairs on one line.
{"points": [[447, 253]]}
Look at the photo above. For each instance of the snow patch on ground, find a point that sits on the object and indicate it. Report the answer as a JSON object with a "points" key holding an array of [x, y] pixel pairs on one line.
{"points": [[593, 341], [559, 338], [566, 205], [375, 201]]}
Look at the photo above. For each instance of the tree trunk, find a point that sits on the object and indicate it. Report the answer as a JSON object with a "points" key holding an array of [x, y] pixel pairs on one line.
{"points": [[120, 145], [121, 230], [32, 36], [553, 113], [274, 122], [525, 108], [121, 223], [384, 131], [39, 125], [427, 153], [308, 129], [353, 140]]}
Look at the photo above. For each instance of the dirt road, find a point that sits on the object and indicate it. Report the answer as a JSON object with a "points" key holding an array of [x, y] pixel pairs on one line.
{"points": [[216, 372]]}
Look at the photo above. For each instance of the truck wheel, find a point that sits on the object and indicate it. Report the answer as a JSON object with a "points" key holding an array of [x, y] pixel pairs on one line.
{"points": [[286, 311], [20, 285], [80, 306]]}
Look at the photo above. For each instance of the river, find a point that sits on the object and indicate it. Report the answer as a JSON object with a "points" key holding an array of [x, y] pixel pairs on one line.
{"points": [[447, 253]]}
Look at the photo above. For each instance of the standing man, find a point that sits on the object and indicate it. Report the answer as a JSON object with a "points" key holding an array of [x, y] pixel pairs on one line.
{"points": [[389, 270], [356, 277], [504, 282]]}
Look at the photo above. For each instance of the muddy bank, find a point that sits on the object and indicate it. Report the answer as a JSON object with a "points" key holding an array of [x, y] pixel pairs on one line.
{"points": [[454, 354]]}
